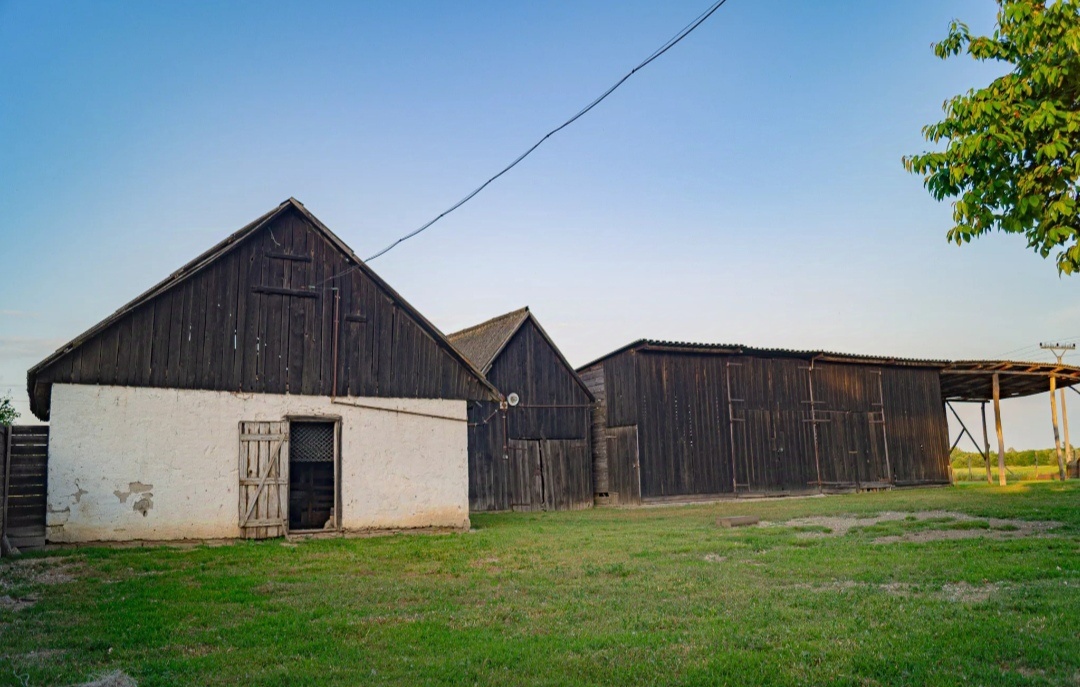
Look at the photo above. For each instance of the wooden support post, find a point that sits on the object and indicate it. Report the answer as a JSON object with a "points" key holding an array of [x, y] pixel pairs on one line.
{"points": [[1057, 439], [1065, 426], [997, 425], [986, 447]]}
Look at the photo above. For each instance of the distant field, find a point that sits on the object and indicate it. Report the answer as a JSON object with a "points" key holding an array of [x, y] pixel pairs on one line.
{"points": [[967, 585], [1012, 472]]}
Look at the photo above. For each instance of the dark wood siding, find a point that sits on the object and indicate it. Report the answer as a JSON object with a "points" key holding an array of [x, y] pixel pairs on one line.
{"points": [[917, 428], [24, 484], [250, 321], [707, 424], [682, 418], [530, 367], [772, 432]]}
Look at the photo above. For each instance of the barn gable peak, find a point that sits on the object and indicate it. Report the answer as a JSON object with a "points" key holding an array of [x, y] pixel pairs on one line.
{"points": [[271, 287]]}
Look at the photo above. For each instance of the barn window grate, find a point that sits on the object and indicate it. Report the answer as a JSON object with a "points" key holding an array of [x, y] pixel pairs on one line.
{"points": [[311, 442]]}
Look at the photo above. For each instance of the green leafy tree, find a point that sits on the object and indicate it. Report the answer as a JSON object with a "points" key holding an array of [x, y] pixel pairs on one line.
{"points": [[1012, 153], [8, 414]]}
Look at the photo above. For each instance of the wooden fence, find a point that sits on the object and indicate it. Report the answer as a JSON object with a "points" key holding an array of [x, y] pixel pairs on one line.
{"points": [[24, 456]]}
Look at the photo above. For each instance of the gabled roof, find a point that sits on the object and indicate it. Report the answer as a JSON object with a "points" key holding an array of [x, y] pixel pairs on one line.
{"points": [[483, 343], [221, 249]]}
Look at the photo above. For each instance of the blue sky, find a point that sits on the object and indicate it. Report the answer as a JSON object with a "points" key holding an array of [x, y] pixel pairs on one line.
{"points": [[745, 187]]}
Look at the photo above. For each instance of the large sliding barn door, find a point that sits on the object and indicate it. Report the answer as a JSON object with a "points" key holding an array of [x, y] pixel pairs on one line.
{"points": [[264, 479], [852, 442]]}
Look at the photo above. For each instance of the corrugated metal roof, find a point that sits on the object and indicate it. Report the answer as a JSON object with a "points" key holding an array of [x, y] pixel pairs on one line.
{"points": [[961, 380], [740, 349]]}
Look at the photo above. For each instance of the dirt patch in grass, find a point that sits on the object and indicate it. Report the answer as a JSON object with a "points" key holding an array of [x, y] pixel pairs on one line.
{"points": [[9, 603], [931, 525], [46, 571], [117, 678], [965, 593], [891, 588], [42, 656], [956, 592], [714, 558]]}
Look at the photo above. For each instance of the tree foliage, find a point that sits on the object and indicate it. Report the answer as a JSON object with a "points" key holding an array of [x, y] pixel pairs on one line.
{"points": [[1012, 153], [8, 414]]}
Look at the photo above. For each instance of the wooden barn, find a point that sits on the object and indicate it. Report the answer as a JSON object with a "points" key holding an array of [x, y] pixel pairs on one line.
{"points": [[533, 453], [678, 420], [274, 384]]}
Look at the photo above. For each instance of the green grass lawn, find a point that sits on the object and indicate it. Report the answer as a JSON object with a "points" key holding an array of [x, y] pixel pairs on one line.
{"points": [[646, 596]]}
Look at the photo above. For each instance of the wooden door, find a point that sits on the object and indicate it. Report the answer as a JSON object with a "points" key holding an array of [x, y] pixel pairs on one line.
{"points": [[264, 479], [624, 464], [526, 475], [567, 466]]}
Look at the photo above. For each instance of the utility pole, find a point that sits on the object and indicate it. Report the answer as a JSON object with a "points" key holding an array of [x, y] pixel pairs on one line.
{"points": [[1059, 350]]}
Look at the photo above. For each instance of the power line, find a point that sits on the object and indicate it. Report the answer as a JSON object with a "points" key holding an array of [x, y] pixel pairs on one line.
{"points": [[668, 45], [1033, 348]]}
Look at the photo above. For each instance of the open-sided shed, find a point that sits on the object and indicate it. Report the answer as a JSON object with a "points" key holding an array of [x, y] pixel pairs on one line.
{"points": [[534, 454], [273, 384]]}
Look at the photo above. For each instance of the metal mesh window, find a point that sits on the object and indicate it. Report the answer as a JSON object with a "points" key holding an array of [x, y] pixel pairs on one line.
{"points": [[311, 442]]}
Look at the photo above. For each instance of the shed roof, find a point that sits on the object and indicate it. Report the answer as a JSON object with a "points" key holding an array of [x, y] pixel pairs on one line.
{"points": [[973, 380]]}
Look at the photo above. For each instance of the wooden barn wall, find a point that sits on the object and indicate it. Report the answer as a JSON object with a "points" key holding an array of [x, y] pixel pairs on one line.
{"points": [[249, 322], [683, 441], [771, 427], [622, 406], [851, 430], [529, 367], [918, 431], [489, 463], [693, 413]]}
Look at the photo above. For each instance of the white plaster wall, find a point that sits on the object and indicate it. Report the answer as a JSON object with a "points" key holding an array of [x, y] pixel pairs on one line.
{"points": [[141, 463]]}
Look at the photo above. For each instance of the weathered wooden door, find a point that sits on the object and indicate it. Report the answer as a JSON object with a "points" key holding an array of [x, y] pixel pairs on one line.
{"points": [[567, 467], [264, 479], [526, 475], [624, 464]]}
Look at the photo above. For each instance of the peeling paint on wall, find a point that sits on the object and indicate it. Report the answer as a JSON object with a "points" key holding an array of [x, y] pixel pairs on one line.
{"points": [[133, 488], [397, 470]]}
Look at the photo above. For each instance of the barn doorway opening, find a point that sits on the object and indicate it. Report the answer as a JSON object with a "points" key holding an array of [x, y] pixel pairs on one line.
{"points": [[313, 475]]}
